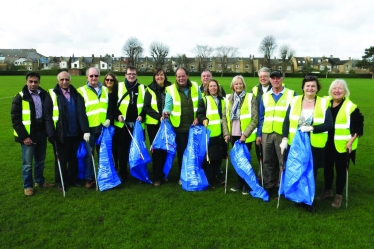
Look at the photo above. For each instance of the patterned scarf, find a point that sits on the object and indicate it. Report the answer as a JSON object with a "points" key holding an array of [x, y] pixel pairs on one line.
{"points": [[238, 99]]}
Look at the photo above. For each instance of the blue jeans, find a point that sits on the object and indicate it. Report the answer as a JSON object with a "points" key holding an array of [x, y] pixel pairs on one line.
{"points": [[89, 164], [37, 152]]}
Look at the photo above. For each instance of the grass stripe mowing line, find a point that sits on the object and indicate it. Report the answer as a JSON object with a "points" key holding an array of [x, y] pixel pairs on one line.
{"points": [[7, 97]]}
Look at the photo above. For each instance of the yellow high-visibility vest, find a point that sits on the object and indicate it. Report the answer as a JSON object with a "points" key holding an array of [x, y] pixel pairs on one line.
{"points": [[26, 115], [96, 107], [342, 126], [317, 140], [175, 115], [126, 101], [149, 119], [56, 111], [245, 116], [215, 121], [275, 112]]}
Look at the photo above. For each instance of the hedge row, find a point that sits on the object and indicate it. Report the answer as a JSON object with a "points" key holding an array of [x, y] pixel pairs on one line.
{"points": [[217, 75]]}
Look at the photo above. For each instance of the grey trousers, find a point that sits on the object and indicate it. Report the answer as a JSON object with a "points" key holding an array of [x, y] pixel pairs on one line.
{"points": [[272, 157]]}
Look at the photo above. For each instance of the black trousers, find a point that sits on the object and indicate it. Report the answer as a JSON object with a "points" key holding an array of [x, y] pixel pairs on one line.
{"points": [[158, 156], [340, 164], [181, 139], [67, 155], [122, 141]]}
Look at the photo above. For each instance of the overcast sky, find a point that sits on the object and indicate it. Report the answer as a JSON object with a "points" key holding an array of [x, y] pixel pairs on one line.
{"points": [[312, 28]]}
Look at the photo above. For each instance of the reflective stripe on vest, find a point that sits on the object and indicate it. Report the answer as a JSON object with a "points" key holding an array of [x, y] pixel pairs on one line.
{"points": [[275, 112], [26, 115], [245, 117], [56, 112], [212, 114], [176, 112], [123, 106], [342, 127], [317, 140], [149, 119], [96, 107], [255, 91]]}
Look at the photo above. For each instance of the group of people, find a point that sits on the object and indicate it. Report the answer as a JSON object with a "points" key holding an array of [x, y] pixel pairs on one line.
{"points": [[266, 116]]}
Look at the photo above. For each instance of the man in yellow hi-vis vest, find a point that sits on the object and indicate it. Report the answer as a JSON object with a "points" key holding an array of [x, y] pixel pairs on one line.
{"points": [[32, 123], [98, 113], [130, 101], [181, 102], [258, 90], [272, 112], [70, 123]]}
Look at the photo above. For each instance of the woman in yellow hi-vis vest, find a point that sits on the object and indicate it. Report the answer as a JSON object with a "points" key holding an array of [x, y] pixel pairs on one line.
{"points": [[348, 125], [210, 113], [309, 113], [154, 102], [241, 120]]}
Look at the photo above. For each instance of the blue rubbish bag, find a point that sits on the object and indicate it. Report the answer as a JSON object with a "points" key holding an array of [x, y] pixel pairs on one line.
{"points": [[138, 155], [192, 175], [107, 176], [241, 160], [298, 179], [165, 140], [81, 154]]}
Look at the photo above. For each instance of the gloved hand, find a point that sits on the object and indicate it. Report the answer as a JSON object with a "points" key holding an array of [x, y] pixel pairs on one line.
{"points": [[86, 137], [205, 122], [306, 128], [52, 140], [283, 144], [106, 123]]}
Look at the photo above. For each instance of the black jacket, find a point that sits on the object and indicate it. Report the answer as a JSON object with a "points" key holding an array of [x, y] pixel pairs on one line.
{"points": [[148, 97], [63, 120], [16, 115]]}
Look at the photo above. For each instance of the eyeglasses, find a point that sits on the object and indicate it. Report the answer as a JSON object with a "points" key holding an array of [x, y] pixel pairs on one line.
{"points": [[264, 76], [94, 75], [311, 77], [111, 80], [131, 74], [64, 79]]}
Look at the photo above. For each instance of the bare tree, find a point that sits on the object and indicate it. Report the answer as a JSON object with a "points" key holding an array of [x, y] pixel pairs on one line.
{"points": [[224, 56], [159, 51], [133, 49], [267, 47], [181, 60], [203, 52], [286, 54]]}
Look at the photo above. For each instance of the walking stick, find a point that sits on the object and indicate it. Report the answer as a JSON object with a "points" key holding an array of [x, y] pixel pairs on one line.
{"points": [[261, 164], [206, 146], [136, 143], [227, 164], [93, 164], [150, 148], [166, 137], [346, 188], [280, 183], [59, 168]]}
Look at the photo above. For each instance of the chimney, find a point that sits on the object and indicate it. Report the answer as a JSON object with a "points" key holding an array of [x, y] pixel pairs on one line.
{"points": [[331, 56], [349, 58]]}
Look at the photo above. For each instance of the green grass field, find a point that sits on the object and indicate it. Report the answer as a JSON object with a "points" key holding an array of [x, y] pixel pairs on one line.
{"points": [[138, 215]]}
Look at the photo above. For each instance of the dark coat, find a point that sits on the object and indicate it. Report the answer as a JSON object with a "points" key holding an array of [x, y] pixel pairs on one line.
{"points": [[83, 126], [16, 115], [148, 97]]}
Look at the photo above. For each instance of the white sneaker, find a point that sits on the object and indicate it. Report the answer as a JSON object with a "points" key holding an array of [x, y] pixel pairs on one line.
{"points": [[180, 182]]}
